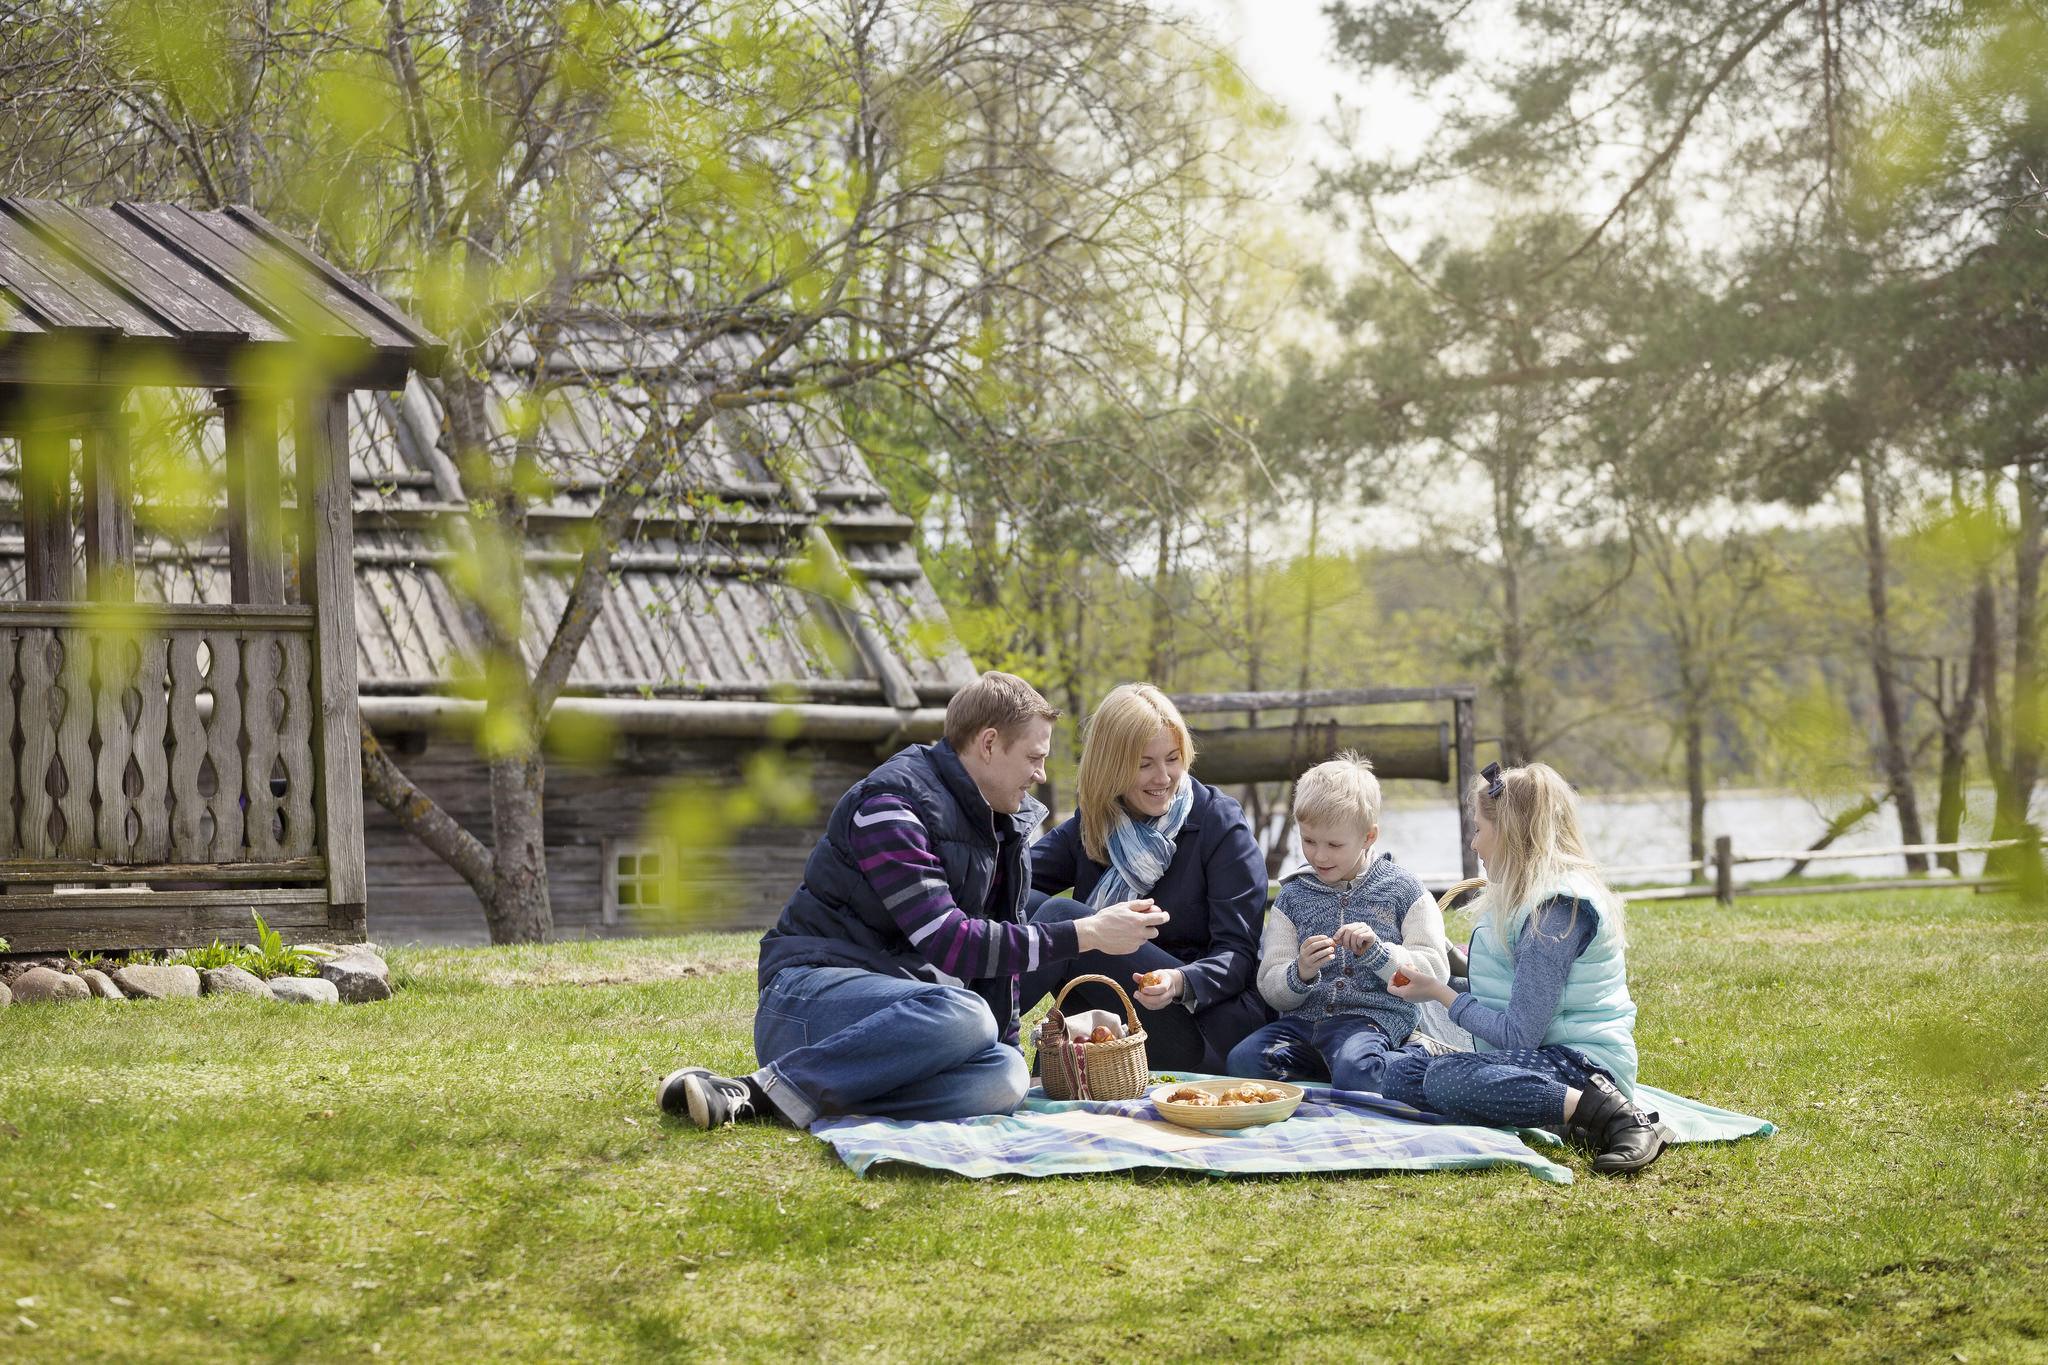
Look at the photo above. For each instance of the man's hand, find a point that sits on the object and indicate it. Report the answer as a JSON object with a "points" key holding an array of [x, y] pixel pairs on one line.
{"points": [[1120, 928], [1358, 938], [1315, 955], [1157, 990]]}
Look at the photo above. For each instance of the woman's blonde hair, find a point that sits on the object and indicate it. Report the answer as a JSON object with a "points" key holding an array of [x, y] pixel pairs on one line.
{"points": [[1538, 850], [1128, 719]]}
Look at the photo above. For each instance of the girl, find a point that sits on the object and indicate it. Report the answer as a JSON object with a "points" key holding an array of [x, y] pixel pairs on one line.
{"points": [[1547, 999]]}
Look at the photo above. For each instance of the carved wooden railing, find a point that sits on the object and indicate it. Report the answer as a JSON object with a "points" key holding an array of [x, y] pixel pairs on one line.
{"points": [[171, 742]]}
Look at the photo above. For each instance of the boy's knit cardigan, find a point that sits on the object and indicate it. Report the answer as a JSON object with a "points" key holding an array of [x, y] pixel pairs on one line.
{"points": [[1404, 918]]}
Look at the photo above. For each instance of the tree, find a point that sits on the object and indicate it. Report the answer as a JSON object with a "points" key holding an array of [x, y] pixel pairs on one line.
{"points": [[807, 198]]}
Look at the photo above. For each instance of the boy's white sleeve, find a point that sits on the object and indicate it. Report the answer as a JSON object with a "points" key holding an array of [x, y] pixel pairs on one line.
{"points": [[1423, 949], [1278, 946]]}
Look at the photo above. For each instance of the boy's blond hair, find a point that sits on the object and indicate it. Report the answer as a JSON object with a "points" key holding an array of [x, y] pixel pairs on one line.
{"points": [[1342, 791]]}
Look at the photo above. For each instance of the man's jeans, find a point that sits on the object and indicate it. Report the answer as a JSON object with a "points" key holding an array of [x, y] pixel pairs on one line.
{"points": [[839, 1040]]}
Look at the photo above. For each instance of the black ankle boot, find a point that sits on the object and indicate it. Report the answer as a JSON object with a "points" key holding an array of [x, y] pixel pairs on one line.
{"points": [[1622, 1135]]}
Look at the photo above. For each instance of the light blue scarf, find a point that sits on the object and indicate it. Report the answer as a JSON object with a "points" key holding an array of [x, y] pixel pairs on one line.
{"points": [[1139, 850]]}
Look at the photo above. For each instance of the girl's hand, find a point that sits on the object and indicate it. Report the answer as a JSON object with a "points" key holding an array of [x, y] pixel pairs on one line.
{"points": [[1315, 955], [1157, 990], [1357, 938], [1410, 984]]}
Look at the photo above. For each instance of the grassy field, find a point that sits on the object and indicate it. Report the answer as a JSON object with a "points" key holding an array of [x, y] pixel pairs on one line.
{"points": [[476, 1170]]}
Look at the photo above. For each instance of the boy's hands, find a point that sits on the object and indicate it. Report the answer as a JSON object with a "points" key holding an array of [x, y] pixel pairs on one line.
{"points": [[1356, 938], [1316, 953], [1157, 990], [1120, 928]]}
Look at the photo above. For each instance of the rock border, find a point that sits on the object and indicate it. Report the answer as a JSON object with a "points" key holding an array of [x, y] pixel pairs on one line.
{"points": [[355, 973]]}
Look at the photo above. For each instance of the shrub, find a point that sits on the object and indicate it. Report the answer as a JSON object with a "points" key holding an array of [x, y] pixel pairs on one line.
{"points": [[214, 954], [273, 958]]}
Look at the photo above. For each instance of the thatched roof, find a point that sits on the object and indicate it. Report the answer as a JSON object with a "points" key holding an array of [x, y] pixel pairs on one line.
{"points": [[712, 595], [96, 290]]}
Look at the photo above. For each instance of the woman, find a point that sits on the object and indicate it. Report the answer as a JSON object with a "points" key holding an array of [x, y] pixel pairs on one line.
{"points": [[1146, 829]]}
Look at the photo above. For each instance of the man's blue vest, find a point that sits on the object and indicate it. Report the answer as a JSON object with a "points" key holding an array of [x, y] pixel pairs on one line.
{"points": [[835, 919]]}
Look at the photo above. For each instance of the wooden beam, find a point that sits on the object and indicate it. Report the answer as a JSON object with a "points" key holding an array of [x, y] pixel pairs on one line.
{"points": [[1281, 753], [1202, 703], [46, 514], [1461, 719], [22, 870], [109, 507], [155, 616], [172, 920], [255, 506], [327, 571]]}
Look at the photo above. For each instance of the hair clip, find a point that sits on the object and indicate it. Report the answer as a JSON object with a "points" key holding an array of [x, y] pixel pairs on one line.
{"points": [[1494, 785]]}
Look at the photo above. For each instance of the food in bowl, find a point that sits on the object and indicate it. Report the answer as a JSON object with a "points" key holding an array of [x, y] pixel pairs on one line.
{"points": [[1189, 1094]]}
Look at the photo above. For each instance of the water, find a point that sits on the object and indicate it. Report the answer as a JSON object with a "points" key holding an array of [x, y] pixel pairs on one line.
{"points": [[1651, 828]]}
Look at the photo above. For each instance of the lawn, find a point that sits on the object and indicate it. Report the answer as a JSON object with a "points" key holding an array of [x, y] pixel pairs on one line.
{"points": [[476, 1169]]}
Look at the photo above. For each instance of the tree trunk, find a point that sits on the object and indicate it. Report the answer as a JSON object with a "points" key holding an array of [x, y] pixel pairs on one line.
{"points": [[2015, 794], [1898, 771], [1695, 781], [519, 910], [1158, 656], [1956, 726]]}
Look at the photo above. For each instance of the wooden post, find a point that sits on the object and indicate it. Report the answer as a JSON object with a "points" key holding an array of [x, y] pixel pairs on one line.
{"points": [[255, 511], [1461, 711], [1724, 870], [327, 570], [46, 513], [109, 508]]}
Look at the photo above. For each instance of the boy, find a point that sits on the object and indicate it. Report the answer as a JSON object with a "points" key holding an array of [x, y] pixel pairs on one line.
{"points": [[1340, 930]]}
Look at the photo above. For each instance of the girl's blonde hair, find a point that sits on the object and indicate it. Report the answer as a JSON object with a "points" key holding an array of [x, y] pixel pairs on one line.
{"points": [[1128, 719], [1538, 850]]}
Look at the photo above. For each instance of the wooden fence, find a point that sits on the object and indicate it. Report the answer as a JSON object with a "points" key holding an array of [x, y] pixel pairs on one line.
{"points": [[1722, 865]]}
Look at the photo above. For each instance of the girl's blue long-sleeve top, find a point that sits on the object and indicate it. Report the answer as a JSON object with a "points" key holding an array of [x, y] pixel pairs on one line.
{"points": [[1214, 891]]}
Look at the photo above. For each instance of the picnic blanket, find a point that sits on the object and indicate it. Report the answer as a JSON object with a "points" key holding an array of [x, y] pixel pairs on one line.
{"points": [[1333, 1130]]}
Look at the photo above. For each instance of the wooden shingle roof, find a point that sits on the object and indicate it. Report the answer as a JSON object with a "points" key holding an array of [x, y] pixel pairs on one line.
{"points": [[89, 294]]}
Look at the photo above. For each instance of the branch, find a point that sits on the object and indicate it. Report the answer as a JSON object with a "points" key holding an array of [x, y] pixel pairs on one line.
{"points": [[425, 819]]}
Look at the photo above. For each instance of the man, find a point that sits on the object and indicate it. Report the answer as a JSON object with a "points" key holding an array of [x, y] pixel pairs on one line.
{"points": [[889, 984]]}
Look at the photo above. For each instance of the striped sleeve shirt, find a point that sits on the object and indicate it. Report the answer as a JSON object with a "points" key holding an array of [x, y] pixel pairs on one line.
{"points": [[894, 853]]}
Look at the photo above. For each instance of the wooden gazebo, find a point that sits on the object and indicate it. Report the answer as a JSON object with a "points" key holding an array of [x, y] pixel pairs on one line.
{"points": [[167, 767]]}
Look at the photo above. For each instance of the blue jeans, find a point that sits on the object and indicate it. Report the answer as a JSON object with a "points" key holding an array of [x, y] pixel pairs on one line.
{"points": [[1349, 1052], [1177, 1039], [839, 1040], [1522, 1088]]}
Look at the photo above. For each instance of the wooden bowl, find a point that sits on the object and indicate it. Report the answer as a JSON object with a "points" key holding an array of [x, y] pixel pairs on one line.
{"points": [[1224, 1115]]}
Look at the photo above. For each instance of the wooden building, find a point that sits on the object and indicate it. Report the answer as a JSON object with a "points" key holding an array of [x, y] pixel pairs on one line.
{"points": [[171, 759], [768, 594]]}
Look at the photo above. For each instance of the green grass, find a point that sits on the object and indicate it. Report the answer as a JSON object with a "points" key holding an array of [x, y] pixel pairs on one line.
{"points": [[475, 1169]]}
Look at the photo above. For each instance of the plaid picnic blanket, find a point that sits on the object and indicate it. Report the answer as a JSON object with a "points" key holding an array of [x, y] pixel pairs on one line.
{"points": [[1333, 1130]]}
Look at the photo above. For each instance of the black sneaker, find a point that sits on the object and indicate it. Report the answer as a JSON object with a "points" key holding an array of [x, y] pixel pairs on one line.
{"points": [[709, 1100]]}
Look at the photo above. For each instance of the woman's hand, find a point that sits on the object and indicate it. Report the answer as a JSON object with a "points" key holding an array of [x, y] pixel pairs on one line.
{"points": [[1357, 938], [1157, 990], [1120, 928], [1410, 984], [1315, 955]]}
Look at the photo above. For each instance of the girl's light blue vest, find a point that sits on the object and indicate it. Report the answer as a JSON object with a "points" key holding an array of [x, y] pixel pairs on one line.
{"points": [[1596, 1015]]}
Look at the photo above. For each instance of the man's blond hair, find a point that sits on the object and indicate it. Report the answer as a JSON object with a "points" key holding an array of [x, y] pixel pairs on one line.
{"points": [[1002, 702], [1341, 793]]}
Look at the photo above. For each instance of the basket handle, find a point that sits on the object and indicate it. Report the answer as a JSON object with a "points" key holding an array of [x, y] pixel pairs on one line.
{"points": [[1130, 1010], [1443, 902]]}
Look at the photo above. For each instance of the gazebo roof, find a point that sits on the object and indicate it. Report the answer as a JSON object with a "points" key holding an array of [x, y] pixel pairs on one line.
{"points": [[106, 289]]}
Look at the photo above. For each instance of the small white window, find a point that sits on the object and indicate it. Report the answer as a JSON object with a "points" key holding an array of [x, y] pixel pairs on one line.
{"points": [[635, 871]]}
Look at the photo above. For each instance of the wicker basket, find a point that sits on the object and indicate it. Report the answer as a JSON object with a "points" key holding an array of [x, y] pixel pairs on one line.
{"points": [[1115, 1070]]}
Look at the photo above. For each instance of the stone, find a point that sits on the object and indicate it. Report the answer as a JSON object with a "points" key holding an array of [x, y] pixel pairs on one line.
{"points": [[304, 990], [41, 985], [359, 975], [6, 994], [232, 981], [158, 983], [103, 987]]}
